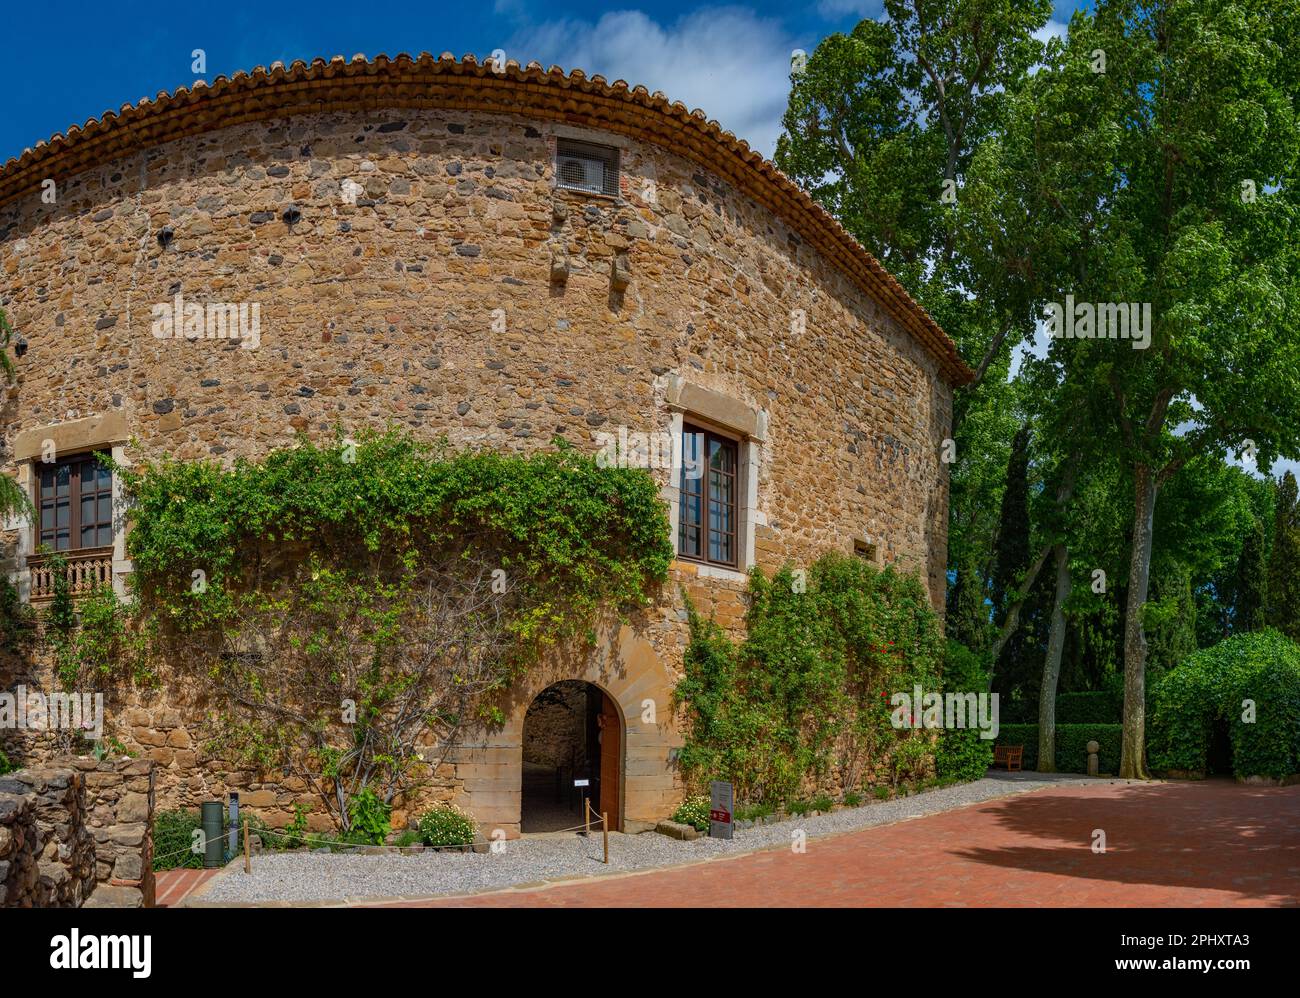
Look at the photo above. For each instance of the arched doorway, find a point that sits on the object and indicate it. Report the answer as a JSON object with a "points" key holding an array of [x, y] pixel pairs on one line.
{"points": [[572, 732]]}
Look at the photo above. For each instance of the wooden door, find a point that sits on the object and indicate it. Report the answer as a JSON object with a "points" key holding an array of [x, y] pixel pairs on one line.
{"points": [[611, 761]]}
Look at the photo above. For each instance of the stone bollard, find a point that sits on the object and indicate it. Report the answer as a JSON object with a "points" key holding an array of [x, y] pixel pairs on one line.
{"points": [[1093, 765]]}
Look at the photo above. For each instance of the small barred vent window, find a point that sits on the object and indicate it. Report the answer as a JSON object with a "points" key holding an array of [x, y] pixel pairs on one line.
{"points": [[582, 166]]}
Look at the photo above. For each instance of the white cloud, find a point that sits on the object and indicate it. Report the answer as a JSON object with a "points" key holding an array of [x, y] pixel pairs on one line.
{"points": [[728, 61], [843, 8], [1052, 29]]}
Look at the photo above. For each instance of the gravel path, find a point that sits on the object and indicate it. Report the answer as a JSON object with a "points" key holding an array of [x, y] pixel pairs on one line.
{"points": [[315, 877]]}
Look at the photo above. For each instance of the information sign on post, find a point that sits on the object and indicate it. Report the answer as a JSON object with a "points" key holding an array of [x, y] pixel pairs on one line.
{"points": [[721, 808]]}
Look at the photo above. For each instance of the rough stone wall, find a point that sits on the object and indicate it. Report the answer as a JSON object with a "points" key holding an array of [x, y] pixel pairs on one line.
{"points": [[47, 853], [119, 812], [555, 731], [19, 851], [463, 295]]}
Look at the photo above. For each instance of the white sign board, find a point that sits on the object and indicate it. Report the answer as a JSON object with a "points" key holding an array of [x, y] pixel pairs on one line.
{"points": [[722, 806], [581, 783]]}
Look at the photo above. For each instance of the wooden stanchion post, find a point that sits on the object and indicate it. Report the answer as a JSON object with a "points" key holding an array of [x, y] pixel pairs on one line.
{"points": [[586, 816], [604, 820], [248, 858]]}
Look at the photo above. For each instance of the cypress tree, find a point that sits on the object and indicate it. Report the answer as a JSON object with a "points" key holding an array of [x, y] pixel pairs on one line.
{"points": [[1251, 588], [968, 618], [1284, 565]]}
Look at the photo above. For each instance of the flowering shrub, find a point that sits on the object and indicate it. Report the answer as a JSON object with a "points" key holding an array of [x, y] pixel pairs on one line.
{"points": [[447, 825], [694, 811]]}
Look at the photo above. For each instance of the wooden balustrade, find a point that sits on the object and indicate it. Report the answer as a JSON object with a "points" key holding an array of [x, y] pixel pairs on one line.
{"points": [[87, 569]]}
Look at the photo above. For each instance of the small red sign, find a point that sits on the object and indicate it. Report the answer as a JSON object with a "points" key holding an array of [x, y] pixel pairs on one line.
{"points": [[721, 816]]}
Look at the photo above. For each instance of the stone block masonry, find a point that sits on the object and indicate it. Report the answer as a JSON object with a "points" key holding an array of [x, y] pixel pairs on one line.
{"points": [[47, 854], [119, 813], [77, 832], [417, 264]]}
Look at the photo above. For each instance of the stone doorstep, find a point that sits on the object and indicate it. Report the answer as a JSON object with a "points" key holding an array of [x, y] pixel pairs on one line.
{"points": [[115, 896], [677, 830]]}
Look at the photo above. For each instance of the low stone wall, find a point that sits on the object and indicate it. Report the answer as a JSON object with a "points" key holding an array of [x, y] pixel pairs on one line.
{"points": [[119, 813], [77, 832], [47, 854], [19, 838]]}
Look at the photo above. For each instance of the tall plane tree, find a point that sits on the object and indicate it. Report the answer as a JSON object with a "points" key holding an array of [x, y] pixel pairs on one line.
{"points": [[1183, 113]]}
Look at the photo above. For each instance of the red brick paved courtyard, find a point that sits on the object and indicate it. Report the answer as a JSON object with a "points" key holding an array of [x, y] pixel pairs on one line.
{"points": [[1211, 843]]}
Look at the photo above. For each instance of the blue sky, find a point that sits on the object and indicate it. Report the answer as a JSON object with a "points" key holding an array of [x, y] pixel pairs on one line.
{"points": [[72, 61]]}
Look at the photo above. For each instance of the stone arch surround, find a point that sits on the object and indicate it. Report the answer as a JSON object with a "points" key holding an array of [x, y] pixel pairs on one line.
{"points": [[489, 771]]}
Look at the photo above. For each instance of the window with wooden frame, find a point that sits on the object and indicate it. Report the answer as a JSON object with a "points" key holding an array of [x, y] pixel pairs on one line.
{"points": [[708, 520], [74, 499]]}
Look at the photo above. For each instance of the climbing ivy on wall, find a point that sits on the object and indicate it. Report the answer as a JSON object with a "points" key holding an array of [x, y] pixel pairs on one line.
{"points": [[356, 607], [802, 703]]}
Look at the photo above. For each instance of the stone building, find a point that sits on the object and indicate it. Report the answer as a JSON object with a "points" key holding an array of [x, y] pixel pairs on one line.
{"points": [[501, 255]]}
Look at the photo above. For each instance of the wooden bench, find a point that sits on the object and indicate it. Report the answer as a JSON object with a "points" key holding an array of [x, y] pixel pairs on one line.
{"points": [[1008, 755]]}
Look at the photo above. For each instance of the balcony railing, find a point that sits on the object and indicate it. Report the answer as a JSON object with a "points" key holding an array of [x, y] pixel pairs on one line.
{"points": [[87, 569]]}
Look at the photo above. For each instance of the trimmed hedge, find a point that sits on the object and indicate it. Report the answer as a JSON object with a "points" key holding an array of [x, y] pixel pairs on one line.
{"points": [[1087, 707], [1214, 684], [1092, 707], [1071, 745]]}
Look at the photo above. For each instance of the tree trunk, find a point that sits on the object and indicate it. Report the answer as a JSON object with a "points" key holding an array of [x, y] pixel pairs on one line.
{"points": [[1052, 666], [1013, 614], [1132, 764]]}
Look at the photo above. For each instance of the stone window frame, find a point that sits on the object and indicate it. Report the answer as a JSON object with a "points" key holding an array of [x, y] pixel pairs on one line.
{"points": [[102, 433], [76, 500], [609, 157], [620, 145], [869, 549], [712, 410]]}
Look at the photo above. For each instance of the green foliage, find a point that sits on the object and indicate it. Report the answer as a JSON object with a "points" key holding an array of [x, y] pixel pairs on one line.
{"points": [[370, 816], [801, 698], [17, 619], [1214, 685], [345, 601], [294, 833], [852, 799], [447, 825], [968, 613], [1090, 707], [1284, 563], [13, 500], [1170, 621], [1071, 745], [751, 812], [1012, 557], [93, 637], [961, 754], [694, 811], [1251, 589], [578, 535], [61, 624], [173, 835], [5, 765]]}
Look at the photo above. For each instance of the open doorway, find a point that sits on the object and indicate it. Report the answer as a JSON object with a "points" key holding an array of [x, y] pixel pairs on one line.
{"points": [[572, 732], [1218, 761]]}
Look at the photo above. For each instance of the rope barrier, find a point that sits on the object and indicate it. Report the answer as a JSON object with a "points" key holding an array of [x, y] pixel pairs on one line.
{"points": [[336, 844]]}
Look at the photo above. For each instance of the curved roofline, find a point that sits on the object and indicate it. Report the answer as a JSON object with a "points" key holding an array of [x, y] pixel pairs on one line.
{"points": [[427, 82]]}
